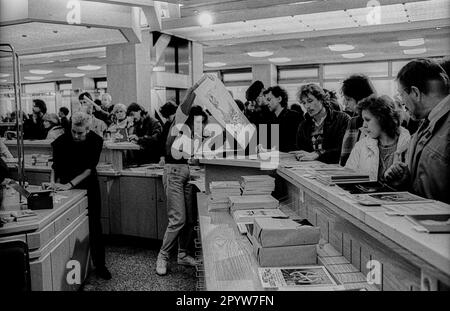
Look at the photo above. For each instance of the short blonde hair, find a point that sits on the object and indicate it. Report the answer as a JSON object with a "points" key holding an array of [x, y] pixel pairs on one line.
{"points": [[81, 119], [119, 106], [106, 95]]}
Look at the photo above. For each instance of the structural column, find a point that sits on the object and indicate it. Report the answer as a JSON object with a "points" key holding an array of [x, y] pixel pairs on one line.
{"points": [[267, 74], [129, 72]]}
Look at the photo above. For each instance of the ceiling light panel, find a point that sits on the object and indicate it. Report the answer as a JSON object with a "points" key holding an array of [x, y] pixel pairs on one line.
{"points": [[89, 67], [40, 71], [33, 78], [352, 55], [412, 42], [74, 75], [415, 51], [341, 47], [279, 60], [428, 10]]}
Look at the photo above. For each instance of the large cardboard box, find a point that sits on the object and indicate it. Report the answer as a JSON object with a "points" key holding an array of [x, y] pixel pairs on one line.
{"points": [[273, 232], [284, 256], [252, 202]]}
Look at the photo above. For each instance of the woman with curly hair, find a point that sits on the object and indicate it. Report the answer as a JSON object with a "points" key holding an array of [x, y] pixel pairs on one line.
{"points": [[385, 142]]}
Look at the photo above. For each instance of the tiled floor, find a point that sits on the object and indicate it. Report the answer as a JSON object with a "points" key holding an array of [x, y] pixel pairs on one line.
{"points": [[133, 269]]}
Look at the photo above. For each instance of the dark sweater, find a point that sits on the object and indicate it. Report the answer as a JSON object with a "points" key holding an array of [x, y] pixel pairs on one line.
{"points": [[148, 132], [334, 128], [288, 121]]}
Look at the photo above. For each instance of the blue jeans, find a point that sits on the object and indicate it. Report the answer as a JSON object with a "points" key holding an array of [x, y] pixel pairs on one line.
{"points": [[179, 203]]}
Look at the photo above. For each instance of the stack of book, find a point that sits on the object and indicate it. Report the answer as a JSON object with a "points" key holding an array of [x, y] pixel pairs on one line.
{"points": [[220, 194], [249, 202], [37, 160], [257, 184], [284, 242], [330, 176], [18, 216]]}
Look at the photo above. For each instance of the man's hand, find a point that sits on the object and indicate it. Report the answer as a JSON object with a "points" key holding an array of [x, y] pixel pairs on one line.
{"points": [[61, 187], [302, 155], [133, 138], [398, 174]]}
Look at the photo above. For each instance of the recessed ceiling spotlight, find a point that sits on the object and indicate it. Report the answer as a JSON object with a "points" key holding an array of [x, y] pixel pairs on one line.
{"points": [[353, 55], [89, 67], [414, 51], [438, 28], [280, 60], [215, 64], [33, 78], [205, 19], [260, 54], [4, 75], [302, 40], [412, 42], [341, 47], [74, 75], [40, 71]]}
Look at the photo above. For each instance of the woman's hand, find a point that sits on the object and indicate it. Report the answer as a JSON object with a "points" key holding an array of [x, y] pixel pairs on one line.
{"points": [[306, 156], [61, 187]]}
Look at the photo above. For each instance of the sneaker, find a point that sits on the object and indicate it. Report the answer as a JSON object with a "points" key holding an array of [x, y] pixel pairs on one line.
{"points": [[161, 265], [103, 273], [187, 261]]}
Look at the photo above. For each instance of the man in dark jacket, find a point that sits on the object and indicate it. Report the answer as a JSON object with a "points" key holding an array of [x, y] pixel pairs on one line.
{"points": [[424, 87], [33, 128], [320, 136], [75, 158], [287, 120], [147, 132]]}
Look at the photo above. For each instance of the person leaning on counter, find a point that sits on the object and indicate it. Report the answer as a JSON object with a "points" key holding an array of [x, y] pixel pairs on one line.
{"points": [[75, 158], [423, 86]]}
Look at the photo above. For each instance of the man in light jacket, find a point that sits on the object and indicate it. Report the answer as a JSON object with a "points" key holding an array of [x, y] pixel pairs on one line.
{"points": [[424, 87]]}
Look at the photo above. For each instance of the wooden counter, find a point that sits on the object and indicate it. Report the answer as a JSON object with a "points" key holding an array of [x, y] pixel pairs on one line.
{"points": [[57, 236], [112, 153], [230, 265], [362, 233]]}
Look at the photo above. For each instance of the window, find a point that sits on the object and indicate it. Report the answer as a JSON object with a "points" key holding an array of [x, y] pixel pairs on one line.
{"points": [[342, 71]]}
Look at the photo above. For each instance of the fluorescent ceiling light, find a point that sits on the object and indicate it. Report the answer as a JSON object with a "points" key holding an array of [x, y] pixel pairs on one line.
{"points": [[48, 62], [215, 64], [280, 60], [341, 47], [74, 75], [159, 68], [412, 42], [205, 19], [3, 81], [260, 54], [40, 71], [64, 60], [4, 75], [33, 78], [89, 67], [353, 55], [415, 51]]}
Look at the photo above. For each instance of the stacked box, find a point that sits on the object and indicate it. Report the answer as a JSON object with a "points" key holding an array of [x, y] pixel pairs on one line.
{"points": [[284, 242], [257, 184], [252, 202], [220, 191]]}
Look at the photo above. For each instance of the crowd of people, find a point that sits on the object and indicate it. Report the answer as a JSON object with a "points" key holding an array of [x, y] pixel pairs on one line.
{"points": [[401, 141]]}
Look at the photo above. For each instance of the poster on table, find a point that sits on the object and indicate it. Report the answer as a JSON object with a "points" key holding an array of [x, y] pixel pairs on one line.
{"points": [[298, 278], [213, 96]]}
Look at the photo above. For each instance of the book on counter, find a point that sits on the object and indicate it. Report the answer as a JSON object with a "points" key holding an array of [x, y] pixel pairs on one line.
{"points": [[431, 223], [340, 175], [272, 232], [248, 216], [302, 278], [19, 216], [220, 191], [252, 202]]}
